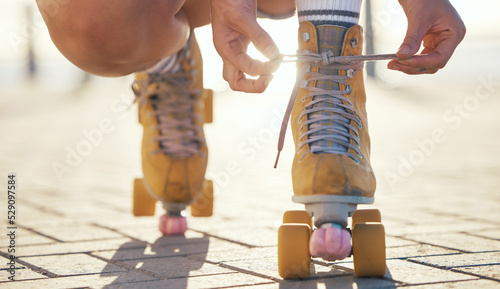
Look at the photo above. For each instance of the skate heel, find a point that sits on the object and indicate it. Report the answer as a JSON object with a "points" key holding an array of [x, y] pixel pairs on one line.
{"points": [[143, 203], [203, 205]]}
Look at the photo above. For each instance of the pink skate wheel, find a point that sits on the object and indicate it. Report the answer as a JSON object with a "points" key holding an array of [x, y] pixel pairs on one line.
{"points": [[332, 243], [173, 225]]}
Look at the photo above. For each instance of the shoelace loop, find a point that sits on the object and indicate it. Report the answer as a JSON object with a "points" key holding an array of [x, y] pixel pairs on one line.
{"points": [[340, 114]]}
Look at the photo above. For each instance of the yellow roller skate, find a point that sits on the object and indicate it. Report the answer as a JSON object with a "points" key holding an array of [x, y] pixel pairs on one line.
{"points": [[331, 170], [173, 107]]}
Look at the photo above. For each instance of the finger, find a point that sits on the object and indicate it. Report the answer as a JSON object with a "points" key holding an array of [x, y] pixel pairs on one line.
{"points": [[237, 56], [261, 40], [433, 58], [395, 65], [239, 82], [413, 39]]}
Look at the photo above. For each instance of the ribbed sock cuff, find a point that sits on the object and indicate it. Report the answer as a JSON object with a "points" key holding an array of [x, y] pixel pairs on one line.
{"points": [[343, 13]]}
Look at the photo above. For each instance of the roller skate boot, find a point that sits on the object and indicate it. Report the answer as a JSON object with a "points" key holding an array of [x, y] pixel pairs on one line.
{"points": [[173, 106], [331, 171]]}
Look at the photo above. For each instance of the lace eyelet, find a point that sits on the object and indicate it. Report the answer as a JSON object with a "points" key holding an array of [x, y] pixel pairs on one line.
{"points": [[348, 89], [350, 73], [354, 42], [360, 126]]}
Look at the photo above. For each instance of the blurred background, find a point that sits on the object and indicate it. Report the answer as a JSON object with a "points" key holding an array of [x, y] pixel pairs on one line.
{"points": [[48, 107]]}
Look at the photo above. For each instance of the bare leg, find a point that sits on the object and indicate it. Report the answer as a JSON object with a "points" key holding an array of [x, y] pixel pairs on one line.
{"points": [[119, 37], [276, 7]]}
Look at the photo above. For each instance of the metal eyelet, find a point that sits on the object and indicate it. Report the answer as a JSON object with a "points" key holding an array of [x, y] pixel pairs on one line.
{"points": [[354, 42], [350, 73], [306, 36], [360, 126], [348, 89]]}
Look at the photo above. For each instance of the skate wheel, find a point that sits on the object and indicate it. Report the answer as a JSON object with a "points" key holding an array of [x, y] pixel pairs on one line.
{"points": [[173, 225], [203, 206], [143, 203], [294, 260], [365, 216], [368, 244], [208, 105], [298, 216]]}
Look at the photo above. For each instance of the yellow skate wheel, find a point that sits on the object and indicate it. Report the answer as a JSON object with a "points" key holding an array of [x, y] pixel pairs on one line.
{"points": [[368, 245], [203, 206], [208, 101], [143, 203], [298, 216], [365, 216], [294, 260]]}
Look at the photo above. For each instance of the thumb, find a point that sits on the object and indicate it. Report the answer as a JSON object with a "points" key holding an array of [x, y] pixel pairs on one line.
{"points": [[413, 39], [261, 40]]}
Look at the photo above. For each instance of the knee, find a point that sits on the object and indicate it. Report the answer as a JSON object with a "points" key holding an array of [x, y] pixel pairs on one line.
{"points": [[104, 38]]}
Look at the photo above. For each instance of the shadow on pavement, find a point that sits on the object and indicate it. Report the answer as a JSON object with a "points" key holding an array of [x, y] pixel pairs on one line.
{"points": [[341, 280], [164, 259]]}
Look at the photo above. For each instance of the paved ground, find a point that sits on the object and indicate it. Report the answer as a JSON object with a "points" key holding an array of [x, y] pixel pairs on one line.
{"points": [[436, 152]]}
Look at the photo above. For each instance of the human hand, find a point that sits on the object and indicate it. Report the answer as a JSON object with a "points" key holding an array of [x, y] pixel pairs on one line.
{"points": [[234, 26], [438, 25]]}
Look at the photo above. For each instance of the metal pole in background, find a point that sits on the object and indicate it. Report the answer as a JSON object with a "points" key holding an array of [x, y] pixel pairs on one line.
{"points": [[370, 66], [28, 13]]}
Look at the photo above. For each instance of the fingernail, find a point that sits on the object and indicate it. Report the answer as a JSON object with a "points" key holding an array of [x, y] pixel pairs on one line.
{"points": [[404, 50], [393, 67], [272, 52], [268, 80]]}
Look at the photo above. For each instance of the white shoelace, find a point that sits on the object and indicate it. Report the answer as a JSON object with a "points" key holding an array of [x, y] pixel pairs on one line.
{"points": [[173, 105], [336, 112]]}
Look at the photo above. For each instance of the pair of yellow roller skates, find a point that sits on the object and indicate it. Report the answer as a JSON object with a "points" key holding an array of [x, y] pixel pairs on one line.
{"points": [[331, 171]]}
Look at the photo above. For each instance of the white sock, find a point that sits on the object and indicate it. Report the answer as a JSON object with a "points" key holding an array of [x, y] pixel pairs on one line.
{"points": [[343, 13], [167, 64]]}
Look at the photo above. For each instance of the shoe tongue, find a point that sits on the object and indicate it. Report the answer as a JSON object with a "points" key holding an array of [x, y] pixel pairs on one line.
{"points": [[330, 37]]}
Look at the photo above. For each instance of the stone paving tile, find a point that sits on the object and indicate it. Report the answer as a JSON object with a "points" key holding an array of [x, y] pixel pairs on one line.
{"points": [[237, 255], [21, 272], [492, 234], [482, 284], [340, 282], [404, 252], [200, 282], [176, 267], [152, 234], [460, 260], [25, 238], [262, 237], [400, 271], [75, 233], [198, 247], [459, 241], [490, 271], [72, 264], [76, 247], [83, 281], [438, 228], [412, 273], [269, 267]]}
